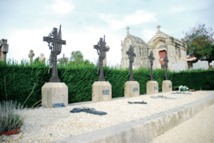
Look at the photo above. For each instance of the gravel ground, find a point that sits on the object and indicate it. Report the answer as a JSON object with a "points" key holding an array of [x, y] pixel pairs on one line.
{"points": [[199, 129], [46, 125]]}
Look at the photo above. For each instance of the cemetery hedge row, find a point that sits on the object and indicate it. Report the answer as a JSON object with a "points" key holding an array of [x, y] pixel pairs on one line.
{"points": [[18, 82]]}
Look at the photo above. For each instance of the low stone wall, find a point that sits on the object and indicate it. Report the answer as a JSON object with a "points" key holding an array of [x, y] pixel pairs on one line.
{"points": [[145, 129]]}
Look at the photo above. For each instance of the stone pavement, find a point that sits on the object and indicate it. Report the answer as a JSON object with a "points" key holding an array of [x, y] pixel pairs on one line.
{"points": [[199, 129]]}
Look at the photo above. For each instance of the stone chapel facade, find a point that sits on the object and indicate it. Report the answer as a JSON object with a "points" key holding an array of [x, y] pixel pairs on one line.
{"points": [[162, 45]]}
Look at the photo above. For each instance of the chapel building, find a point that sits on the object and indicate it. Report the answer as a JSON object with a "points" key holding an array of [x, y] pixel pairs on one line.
{"points": [[161, 44]]}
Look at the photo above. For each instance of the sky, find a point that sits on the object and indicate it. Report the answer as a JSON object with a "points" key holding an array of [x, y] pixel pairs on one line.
{"points": [[25, 22]]}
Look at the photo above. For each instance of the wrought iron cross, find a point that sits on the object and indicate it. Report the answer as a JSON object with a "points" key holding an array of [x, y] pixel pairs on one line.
{"points": [[55, 43], [131, 56], [166, 66], [151, 59], [101, 51]]}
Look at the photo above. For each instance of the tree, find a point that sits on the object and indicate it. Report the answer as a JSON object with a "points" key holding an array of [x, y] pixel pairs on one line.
{"points": [[37, 61], [63, 60], [77, 57], [200, 42]]}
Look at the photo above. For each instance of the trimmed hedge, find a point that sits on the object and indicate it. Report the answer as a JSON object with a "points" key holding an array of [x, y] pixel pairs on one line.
{"points": [[194, 79], [18, 81]]}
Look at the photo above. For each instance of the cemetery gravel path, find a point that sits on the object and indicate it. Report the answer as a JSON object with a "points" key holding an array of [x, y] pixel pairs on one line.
{"points": [[43, 125]]}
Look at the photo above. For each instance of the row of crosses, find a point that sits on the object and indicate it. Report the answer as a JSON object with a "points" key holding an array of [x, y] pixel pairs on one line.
{"points": [[55, 42]]}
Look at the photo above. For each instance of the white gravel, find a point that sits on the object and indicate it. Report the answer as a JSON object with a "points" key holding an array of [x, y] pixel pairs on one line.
{"points": [[46, 125]]}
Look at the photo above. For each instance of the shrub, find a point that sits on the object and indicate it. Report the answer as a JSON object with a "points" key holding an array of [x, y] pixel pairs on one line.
{"points": [[18, 80], [9, 117]]}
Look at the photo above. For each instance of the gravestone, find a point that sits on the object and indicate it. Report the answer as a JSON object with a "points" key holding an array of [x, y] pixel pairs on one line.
{"points": [[3, 49], [101, 89], [152, 85], [42, 58], [200, 65], [54, 92], [166, 84], [132, 87], [31, 55]]}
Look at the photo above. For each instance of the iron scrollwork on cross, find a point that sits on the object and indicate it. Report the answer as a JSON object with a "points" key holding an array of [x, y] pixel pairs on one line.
{"points": [[166, 66], [131, 56], [55, 43], [151, 59], [101, 51]]}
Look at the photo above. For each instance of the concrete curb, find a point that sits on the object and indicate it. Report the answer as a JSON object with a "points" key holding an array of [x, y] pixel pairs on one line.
{"points": [[145, 129]]}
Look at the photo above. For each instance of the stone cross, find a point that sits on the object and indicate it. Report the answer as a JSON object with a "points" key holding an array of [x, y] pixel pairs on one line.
{"points": [[3, 49], [31, 55], [151, 59], [55, 43], [42, 58], [127, 28], [158, 27], [131, 56], [101, 51], [166, 66]]}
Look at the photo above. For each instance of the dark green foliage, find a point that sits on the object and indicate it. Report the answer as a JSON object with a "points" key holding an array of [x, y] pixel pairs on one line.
{"points": [[142, 76], [200, 43], [195, 79], [79, 81], [117, 78], [17, 81]]}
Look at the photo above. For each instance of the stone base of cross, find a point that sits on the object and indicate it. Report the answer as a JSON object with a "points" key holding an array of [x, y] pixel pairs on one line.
{"points": [[101, 91], [166, 86], [132, 89], [152, 87], [54, 95]]}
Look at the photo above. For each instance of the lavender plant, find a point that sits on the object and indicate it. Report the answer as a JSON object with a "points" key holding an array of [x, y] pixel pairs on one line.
{"points": [[10, 119]]}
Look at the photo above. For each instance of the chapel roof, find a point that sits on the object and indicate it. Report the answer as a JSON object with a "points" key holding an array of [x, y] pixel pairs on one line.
{"points": [[135, 39], [159, 34]]}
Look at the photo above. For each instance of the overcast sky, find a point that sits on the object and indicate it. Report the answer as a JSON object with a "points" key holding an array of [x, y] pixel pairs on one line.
{"points": [[25, 22]]}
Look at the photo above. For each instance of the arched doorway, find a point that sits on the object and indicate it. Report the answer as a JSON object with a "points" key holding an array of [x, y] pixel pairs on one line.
{"points": [[162, 55]]}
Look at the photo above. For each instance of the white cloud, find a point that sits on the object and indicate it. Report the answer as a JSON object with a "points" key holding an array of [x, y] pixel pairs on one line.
{"points": [[62, 6], [148, 34], [85, 39], [178, 9], [139, 17], [22, 41]]}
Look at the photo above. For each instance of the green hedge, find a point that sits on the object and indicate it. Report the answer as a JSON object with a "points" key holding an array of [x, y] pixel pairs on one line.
{"points": [[194, 79], [18, 81]]}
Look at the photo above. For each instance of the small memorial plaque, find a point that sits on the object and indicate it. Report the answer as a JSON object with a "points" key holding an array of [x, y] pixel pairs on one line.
{"points": [[170, 86], [155, 88], [106, 92], [57, 105], [135, 89]]}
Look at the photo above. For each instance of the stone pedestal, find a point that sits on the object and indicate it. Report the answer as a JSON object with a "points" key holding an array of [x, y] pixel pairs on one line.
{"points": [[101, 91], [166, 86], [132, 89], [151, 87], [54, 94]]}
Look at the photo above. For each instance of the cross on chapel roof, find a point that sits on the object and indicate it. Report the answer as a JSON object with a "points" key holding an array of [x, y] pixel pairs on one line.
{"points": [[158, 27], [127, 28]]}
